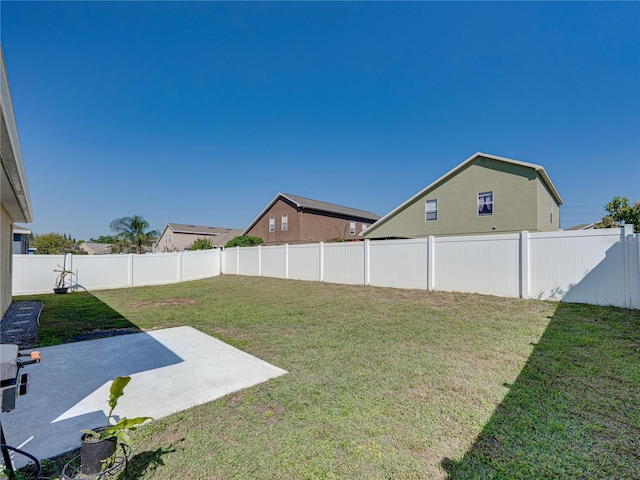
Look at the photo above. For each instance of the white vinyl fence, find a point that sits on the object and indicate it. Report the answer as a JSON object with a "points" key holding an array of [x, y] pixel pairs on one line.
{"points": [[599, 267], [36, 273]]}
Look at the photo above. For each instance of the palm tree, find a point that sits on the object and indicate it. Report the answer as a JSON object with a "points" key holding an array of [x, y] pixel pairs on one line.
{"points": [[132, 231]]}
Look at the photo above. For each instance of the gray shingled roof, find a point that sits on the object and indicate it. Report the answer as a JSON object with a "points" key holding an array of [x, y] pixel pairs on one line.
{"points": [[303, 202], [219, 236], [200, 230]]}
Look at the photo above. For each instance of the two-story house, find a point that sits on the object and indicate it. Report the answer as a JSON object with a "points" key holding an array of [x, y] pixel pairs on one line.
{"points": [[292, 219], [484, 194]]}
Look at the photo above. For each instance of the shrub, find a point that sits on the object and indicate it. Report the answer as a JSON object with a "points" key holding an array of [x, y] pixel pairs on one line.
{"points": [[244, 241]]}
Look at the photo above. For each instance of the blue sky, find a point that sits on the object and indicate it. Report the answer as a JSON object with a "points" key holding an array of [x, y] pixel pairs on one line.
{"points": [[201, 112]]}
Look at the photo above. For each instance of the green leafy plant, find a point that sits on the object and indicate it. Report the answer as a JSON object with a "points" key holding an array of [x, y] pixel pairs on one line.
{"points": [[244, 241], [124, 425], [63, 277], [201, 244]]}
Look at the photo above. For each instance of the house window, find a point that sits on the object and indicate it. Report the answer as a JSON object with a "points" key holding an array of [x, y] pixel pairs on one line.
{"points": [[431, 210], [352, 228], [364, 227], [272, 224], [551, 212], [285, 221], [485, 204]]}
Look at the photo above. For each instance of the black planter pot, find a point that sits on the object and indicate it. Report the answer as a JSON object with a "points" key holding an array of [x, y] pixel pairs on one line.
{"points": [[60, 290], [94, 453]]}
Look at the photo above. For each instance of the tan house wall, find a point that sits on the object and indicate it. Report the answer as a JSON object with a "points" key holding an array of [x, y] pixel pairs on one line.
{"points": [[548, 216], [520, 202], [6, 231], [305, 226], [171, 241]]}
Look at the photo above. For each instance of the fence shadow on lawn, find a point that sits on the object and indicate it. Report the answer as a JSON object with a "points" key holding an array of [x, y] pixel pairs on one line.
{"points": [[78, 316], [573, 410]]}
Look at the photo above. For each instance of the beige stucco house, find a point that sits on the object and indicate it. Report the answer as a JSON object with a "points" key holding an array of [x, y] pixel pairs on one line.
{"points": [[292, 219], [15, 202], [178, 236], [92, 248], [484, 194]]}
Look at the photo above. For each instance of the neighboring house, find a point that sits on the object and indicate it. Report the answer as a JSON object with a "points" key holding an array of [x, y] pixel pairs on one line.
{"points": [[15, 201], [292, 219], [96, 248], [484, 194], [21, 238], [178, 236], [583, 226]]}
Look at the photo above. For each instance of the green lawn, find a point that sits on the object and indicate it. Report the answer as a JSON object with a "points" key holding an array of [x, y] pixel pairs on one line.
{"points": [[386, 383]]}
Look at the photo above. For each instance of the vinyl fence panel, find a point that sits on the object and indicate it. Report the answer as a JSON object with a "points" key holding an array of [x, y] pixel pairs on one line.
{"points": [[35, 273], [200, 264], [595, 266], [344, 263], [585, 266], [274, 261], [399, 263], [304, 262], [487, 264], [249, 263], [96, 272]]}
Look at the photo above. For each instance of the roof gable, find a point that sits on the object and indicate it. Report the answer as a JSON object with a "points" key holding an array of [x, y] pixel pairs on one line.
{"points": [[453, 172], [198, 229], [317, 205]]}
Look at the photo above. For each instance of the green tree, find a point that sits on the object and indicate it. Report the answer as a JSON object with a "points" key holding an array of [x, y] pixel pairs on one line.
{"points": [[53, 244], [133, 232], [103, 239], [201, 244], [620, 212], [244, 241]]}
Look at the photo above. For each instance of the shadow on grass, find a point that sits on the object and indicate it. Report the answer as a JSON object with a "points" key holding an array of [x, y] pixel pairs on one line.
{"points": [[573, 411], [144, 462], [76, 317]]}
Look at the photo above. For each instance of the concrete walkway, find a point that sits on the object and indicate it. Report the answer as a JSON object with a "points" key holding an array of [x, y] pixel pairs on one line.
{"points": [[172, 370]]}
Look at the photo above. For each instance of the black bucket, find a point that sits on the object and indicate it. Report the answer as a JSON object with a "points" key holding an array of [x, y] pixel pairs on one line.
{"points": [[94, 453]]}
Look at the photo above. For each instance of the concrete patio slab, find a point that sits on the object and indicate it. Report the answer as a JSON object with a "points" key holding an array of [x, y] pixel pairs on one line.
{"points": [[172, 370]]}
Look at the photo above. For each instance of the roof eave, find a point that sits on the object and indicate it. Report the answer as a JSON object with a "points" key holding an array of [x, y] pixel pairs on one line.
{"points": [[539, 168], [12, 163]]}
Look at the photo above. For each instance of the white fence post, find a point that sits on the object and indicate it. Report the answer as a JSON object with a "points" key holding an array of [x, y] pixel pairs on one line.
{"points": [[431, 270], [259, 260], [130, 269], [524, 264], [180, 266], [367, 258], [321, 247], [286, 260], [238, 260], [626, 233]]}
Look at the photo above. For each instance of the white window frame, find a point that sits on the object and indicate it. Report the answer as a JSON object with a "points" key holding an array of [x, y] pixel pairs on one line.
{"points": [[431, 202], [364, 227], [352, 227], [482, 203], [272, 223], [285, 222]]}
